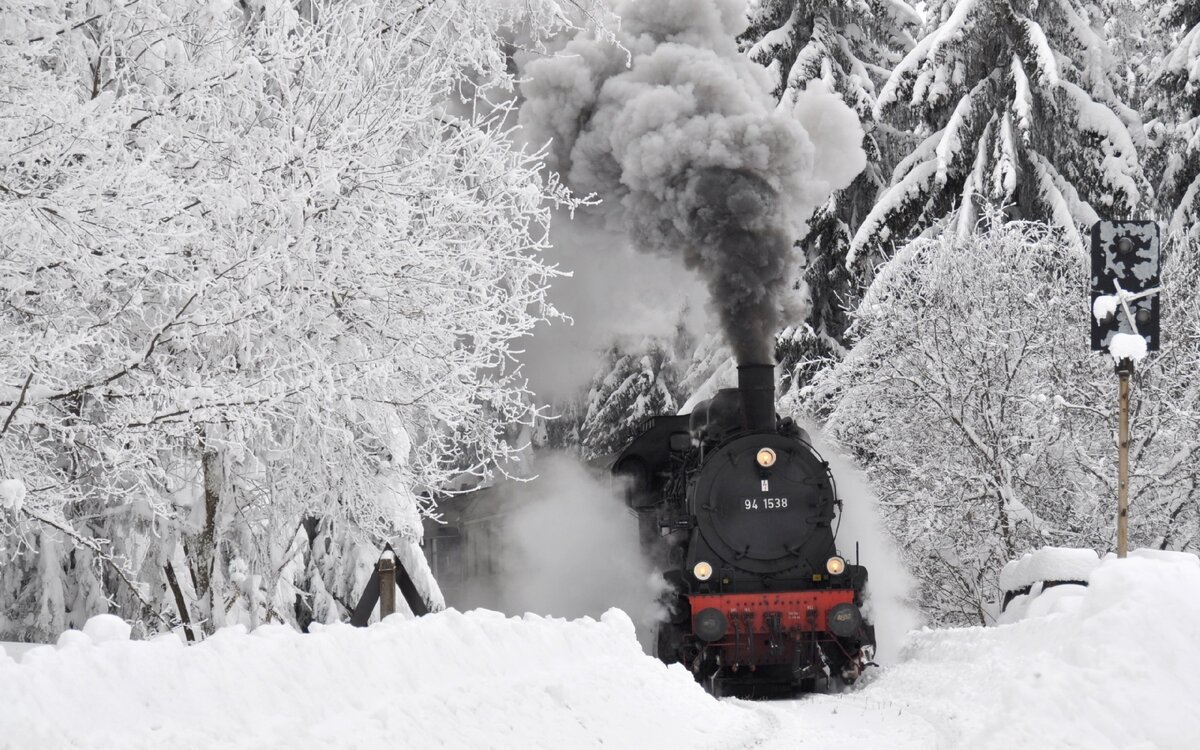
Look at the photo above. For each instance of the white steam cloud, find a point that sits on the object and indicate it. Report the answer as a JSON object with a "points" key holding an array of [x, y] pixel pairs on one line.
{"points": [[614, 296], [571, 548], [890, 587], [679, 135]]}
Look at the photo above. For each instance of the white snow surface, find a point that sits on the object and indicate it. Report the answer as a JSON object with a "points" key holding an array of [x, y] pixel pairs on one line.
{"points": [[12, 494], [1076, 673], [1131, 346], [1049, 564], [1105, 307], [474, 680]]}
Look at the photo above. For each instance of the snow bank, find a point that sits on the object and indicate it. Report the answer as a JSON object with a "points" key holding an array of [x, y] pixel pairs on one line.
{"points": [[469, 680], [1048, 564], [1112, 665]]}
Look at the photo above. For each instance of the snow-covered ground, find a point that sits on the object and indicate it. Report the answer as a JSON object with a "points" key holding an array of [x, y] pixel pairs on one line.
{"points": [[1114, 665]]}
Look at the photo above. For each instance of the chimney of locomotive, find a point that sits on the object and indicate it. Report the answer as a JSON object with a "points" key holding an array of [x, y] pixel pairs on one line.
{"points": [[757, 385]]}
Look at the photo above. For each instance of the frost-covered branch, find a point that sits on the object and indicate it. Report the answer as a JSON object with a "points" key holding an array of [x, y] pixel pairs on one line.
{"points": [[260, 266]]}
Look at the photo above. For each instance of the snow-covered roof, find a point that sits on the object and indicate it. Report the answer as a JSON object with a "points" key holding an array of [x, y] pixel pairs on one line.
{"points": [[1048, 564]]}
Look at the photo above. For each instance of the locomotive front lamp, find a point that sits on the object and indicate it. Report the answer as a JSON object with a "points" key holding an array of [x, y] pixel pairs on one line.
{"points": [[765, 458], [702, 571], [835, 565]]}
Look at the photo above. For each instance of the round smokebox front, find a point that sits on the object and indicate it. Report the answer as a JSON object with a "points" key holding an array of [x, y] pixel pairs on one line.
{"points": [[756, 514]]}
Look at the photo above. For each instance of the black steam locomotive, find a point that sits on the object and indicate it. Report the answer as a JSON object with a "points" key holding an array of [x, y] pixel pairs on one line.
{"points": [[739, 510]]}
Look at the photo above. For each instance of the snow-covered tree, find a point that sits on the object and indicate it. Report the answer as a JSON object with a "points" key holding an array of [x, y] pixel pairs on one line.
{"points": [[849, 48], [1017, 107], [1165, 448], [986, 425], [260, 266], [628, 389], [1176, 102]]}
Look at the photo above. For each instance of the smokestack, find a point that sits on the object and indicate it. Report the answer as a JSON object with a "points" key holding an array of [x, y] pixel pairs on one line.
{"points": [[757, 384]]}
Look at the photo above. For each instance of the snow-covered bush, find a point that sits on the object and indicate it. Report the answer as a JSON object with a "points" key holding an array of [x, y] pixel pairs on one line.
{"points": [[260, 270], [988, 427]]}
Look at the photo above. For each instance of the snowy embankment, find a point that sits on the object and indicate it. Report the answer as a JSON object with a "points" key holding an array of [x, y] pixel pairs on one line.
{"points": [[474, 680], [1114, 665]]}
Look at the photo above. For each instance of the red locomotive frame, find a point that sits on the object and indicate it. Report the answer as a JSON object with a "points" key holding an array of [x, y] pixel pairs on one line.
{"points": [[799, 610]]}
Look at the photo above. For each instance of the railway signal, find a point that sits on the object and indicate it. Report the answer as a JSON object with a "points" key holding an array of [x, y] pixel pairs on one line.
{"points": [[1124, 322], [1124, 282]]}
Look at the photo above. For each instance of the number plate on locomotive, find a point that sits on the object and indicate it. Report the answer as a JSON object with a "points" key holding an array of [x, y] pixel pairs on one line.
{"points": [[765, 503]]}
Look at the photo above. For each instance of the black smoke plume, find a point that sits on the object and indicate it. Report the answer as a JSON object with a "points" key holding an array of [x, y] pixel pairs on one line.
{"points": [[678, 134], [735, 240]]}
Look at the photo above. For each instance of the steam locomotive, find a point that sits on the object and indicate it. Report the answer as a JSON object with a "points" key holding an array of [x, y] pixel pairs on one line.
{"points": [[739, 510]]}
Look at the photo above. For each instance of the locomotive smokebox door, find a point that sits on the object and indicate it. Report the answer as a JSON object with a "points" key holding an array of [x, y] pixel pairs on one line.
{"points": [[1125, 257]]}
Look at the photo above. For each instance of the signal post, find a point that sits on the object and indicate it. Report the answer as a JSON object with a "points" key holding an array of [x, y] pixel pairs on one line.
{"points": [[1125, 323]]}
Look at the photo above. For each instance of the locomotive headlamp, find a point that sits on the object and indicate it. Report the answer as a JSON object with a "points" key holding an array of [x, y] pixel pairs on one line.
{"points": [[765, 457], [702, 571], [835, 565]]}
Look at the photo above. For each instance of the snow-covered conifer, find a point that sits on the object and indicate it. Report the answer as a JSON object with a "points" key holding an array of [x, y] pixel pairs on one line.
{"points": [[1016, 106], [629, 388], [847, 48], [1176, 102]]}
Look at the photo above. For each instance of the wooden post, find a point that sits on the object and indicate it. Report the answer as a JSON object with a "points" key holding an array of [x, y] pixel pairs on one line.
{"points": [[389, 574], [1124, 371], [387, 584]]}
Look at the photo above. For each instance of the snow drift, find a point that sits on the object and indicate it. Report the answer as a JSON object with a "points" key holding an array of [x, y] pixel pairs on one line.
{"points": [[1113, 665], [454, 680]]}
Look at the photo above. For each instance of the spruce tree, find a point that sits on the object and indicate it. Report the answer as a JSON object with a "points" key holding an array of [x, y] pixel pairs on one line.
{"points": [[628, 389], [1017, 106], [1177, 104], [847, 48]]}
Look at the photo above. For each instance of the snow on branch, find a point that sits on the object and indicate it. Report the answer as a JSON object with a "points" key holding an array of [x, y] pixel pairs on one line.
{"points": [[1184, 60], [923, 71], [1119, 166], [963, 119], [904, 196], [1066, 208], [1022, 102], [926, 151], [1008, 163], [1097, 59], [1040, 54]]}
